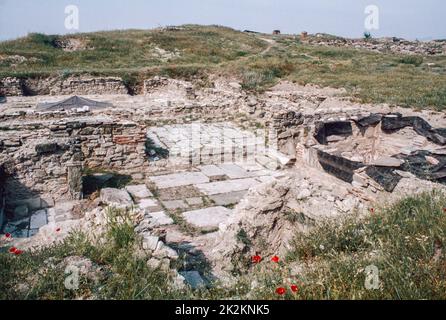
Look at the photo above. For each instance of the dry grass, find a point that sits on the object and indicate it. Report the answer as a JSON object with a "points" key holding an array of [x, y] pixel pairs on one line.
{"points": [[196, 51]]}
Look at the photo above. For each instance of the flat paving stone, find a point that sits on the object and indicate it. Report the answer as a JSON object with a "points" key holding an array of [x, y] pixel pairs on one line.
{"points": [[193, 279], [211, 171], [38, 219], [208, 217], [139, 191], [196, 201], [116, 197], [226, 199], [179, 179], [148, 203], [227, 186], [250, 166], [161, 218], [264, 179], [175, 204], [233, 171]]}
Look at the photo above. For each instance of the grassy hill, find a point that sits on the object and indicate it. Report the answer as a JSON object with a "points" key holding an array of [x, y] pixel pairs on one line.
{"points": [[258, 60]]}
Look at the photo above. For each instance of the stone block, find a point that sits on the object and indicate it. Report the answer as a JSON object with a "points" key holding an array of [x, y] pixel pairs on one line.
{"points": [[148, 203], [150, 243], [116, 197], [195, 201], [227, 186], [208, 217], [233, 171], [139, 191], [179, 179], [193, 279], [226, 199], [175, 204], [160, 219], [38, 219]]}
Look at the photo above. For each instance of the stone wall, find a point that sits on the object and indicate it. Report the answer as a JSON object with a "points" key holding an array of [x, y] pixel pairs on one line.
{"points": [[81, 85], [48, 156], [89, 85], [2, 198], [11, 87]]}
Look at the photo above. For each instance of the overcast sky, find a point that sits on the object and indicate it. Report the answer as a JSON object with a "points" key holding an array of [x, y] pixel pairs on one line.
{"points": [[411, 19]]}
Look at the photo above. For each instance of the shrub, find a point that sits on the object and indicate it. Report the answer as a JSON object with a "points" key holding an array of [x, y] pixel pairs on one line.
{"points": [[43, 39], [413, 60]]}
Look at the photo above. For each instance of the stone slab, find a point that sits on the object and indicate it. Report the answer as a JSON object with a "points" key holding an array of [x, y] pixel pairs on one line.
{"points": [[233, 171], [195, 201], [175, 204], [387, 162], [150, 242], [147, 203], [227, 186], [160, 218], [226, 199], [116, 197], [139, 191], [193, 279], [179, 179], [38, 219], [208, 217], [211, 171], [266, 179]]}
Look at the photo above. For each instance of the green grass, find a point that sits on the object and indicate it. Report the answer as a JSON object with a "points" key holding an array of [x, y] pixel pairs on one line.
{"points": [[130, 50], [405, 241], [125, 274], [367, 76], [411, 81]]}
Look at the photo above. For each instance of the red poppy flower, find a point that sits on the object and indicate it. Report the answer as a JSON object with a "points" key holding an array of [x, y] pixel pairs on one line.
{"points": [[372, 210], [280, 291], [275, 259], [444, 209], [256, 259], [17, 252], [8, 235], [294, 288], [13, 250], [58, 229]]}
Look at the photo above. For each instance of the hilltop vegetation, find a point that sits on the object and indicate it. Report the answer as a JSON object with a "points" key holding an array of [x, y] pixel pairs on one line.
{"points": [[258, 60]]}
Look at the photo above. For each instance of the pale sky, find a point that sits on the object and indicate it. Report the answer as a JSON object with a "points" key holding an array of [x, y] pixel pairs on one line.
{"points": [[410, 19]]}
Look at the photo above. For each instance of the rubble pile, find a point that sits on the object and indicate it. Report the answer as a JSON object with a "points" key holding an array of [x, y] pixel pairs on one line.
{"points": [[382, 45]]}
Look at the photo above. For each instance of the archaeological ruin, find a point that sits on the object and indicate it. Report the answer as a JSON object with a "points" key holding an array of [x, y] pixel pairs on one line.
{"points": [[197, 165]]}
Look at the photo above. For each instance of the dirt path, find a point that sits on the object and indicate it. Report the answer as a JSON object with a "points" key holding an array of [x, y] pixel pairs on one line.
{"points": [[271, 44]]}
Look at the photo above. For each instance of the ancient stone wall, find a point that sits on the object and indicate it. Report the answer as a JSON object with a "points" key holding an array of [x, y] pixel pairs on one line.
{"points": [[89, 85], [2, 198], [48, 156], [81, 85], [11, 87]]}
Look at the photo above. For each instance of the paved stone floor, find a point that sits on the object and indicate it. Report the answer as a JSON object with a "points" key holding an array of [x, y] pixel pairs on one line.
{"points": [[222, 163], [202, 143], [213, 200]]}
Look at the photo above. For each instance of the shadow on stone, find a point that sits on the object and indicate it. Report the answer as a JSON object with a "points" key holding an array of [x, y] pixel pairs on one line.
{"points": [[155, 152], [22, 210], [95, 181], [194, 260]]}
